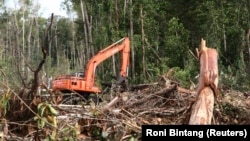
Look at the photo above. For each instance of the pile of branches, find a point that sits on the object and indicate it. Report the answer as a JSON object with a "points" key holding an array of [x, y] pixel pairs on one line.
{"points": [[119, 116]]}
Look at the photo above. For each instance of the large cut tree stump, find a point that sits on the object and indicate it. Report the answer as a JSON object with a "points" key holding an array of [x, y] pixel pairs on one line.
{"points": [[202, 109]]}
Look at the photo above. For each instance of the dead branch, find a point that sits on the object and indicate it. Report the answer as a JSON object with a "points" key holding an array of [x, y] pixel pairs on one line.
{"points": [[166, 90], [183, 90], [111, 103], [35, 82], [141, 86], [193, 54]]}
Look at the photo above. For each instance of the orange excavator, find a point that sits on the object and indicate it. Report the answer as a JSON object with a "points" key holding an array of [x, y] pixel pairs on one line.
{"points": [[84, 82]]}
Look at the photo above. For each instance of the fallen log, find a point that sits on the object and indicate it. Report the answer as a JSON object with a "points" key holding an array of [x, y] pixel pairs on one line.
{"points": [[142, 86], [166, 91], [202, 109], [183, 90], [111, 103]]}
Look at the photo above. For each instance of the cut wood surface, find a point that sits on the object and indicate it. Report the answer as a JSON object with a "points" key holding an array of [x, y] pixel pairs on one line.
{"points": [[202, 109]]}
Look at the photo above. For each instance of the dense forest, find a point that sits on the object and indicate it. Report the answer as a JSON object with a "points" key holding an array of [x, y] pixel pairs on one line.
{"points": [[163, 35]]}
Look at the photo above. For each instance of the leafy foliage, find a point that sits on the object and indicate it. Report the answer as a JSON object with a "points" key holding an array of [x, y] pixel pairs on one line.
{"points": [[47, 115], [162, 36], [4, 102]]}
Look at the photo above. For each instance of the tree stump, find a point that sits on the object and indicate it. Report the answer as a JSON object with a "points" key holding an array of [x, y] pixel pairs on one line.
{"points": [[202, 109]]}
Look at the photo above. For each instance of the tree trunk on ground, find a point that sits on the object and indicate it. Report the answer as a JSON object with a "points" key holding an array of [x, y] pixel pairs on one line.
{"points": [[202, 109]]}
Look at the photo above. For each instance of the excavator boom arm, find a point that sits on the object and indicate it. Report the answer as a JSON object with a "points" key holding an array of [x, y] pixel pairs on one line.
{"points": [[121, 45]]}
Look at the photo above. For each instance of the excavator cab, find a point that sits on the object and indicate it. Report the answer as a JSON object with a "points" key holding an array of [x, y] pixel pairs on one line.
{"points": [[78, 74]]}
